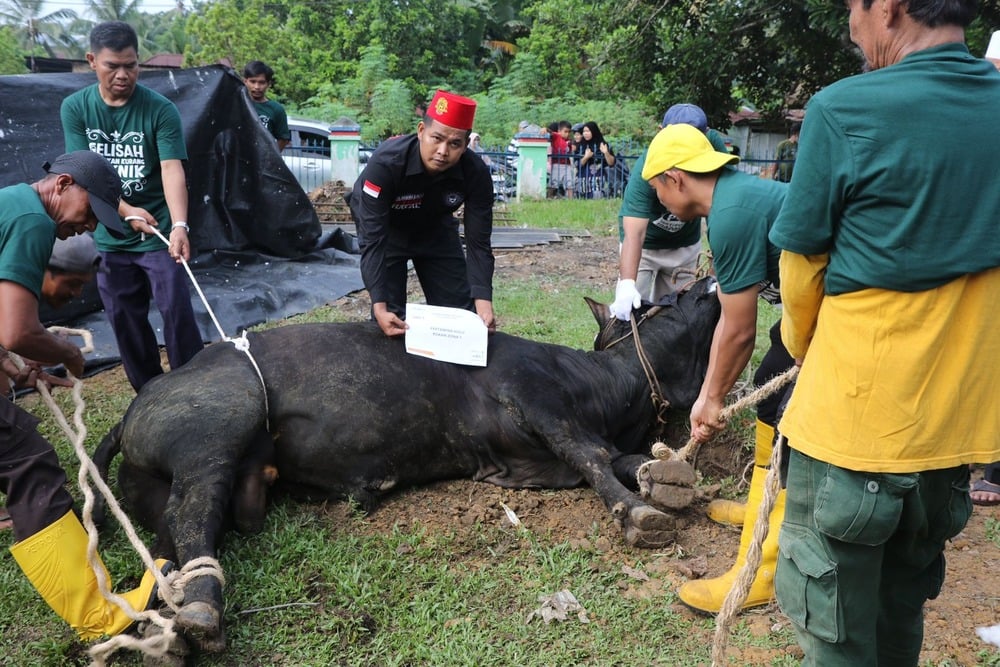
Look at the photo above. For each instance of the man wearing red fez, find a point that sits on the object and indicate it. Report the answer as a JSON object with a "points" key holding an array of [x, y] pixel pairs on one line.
{"points": [[403, 204]]}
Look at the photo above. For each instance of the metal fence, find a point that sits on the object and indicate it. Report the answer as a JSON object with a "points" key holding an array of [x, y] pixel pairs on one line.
{"points": [[608, 182]]}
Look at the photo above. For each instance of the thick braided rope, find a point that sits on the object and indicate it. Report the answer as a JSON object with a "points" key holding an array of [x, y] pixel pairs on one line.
{"points": [[741, 586], [170, 587], [690, 450], [744, 580]]}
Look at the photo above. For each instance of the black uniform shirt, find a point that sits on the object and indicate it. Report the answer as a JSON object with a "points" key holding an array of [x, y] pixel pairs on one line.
{"points": [[395, 189]]}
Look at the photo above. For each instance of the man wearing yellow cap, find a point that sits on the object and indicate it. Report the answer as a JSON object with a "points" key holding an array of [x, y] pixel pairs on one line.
{"points": [[689, 178], [403, 204]]}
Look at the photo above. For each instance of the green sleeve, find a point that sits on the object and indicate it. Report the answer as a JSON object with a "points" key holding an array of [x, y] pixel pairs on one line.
{"points": [[74, 132], [280, 128]]}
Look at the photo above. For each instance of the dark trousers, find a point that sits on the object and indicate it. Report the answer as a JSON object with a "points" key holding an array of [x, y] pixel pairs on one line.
{"points": [[776, 361], [438, 259], [126, 282], [30, 474]]}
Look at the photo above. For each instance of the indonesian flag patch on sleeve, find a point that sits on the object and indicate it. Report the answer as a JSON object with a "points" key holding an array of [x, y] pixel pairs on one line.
{"points": [[371, 189]]}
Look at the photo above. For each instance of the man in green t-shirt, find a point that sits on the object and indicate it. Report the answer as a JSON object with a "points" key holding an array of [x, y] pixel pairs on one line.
{"points": [[259, 78], [691, 179], [784, 155], [659, 252], [890, 278], [81, 188], [139, 131]]}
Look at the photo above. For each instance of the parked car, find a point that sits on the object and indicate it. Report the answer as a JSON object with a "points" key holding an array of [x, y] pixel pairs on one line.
{"points": [[308, 153]]}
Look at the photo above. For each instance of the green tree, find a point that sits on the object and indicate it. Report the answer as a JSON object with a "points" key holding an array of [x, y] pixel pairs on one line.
{"points": [[11, 58], [561, 34], [114, 10], [167, 32], [391, 111], [272, 31]]}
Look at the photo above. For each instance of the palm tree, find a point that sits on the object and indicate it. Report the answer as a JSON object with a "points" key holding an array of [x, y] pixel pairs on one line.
{"points": [[504, 26], [113, 10], [33, 28]]}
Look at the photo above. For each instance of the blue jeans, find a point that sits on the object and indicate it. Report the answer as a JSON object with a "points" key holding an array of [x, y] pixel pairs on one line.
{"points": [[860, 554]]}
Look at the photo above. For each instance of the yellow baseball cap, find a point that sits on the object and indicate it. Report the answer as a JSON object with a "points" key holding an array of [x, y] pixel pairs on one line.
{"points": [[683, 147]]}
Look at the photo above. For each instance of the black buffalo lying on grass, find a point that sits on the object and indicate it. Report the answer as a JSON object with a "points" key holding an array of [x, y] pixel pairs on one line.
{"points": [[348, 413]]}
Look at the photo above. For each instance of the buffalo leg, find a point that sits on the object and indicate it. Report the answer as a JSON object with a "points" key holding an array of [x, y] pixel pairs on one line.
{"points": [[641, 524], [196, 512]]}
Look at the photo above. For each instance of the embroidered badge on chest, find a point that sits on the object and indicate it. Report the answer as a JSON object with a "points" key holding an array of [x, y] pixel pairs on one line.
{"points": [[408, 201]]}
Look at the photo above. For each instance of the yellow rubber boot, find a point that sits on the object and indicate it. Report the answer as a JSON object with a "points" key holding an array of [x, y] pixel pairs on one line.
{"points": [[707, 595], [731, 512], [728, 512], [55, 561]]}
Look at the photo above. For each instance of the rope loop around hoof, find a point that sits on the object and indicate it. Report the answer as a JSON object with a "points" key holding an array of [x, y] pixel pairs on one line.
{"points": [[205, 566]]}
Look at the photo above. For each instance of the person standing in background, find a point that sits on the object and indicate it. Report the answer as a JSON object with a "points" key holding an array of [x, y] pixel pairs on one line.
{"points": [[659, 252], [596, 156], [259, 78], [561, 177], [784, 155]]}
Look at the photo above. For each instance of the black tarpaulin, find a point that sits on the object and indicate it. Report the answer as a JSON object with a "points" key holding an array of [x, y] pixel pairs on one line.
{"points": [[259, 253]]}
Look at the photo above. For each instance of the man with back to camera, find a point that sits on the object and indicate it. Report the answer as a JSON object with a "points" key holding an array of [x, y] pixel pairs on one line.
{"points": [[258, 78], [403, 204], [140, 132], [656, 247], [81, 188], [784, 155], [890, 279]]}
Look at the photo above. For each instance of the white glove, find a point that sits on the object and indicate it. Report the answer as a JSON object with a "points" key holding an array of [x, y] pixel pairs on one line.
{"points": [[626, 298]]}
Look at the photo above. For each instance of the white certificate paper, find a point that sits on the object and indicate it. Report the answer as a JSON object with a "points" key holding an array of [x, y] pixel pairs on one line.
{"points": [[454, 335]]}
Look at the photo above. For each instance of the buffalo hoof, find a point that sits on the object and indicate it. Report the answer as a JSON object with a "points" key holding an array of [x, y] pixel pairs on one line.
{"points": [[648, 528], [667, 484], [202, 623]]}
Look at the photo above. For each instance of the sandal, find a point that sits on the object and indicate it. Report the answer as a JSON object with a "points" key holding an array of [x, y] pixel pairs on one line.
{"points": [[5, 521], [985, 493]]}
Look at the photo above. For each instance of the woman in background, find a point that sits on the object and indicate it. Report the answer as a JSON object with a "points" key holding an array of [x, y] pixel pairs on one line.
{"points": [[595, 156]]}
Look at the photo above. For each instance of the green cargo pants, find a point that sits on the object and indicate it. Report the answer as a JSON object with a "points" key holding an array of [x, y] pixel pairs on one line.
{"points": [[860, 553]]}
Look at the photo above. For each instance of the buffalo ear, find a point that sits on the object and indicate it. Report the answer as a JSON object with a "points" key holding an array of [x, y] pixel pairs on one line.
{"points": [[601, 311]]}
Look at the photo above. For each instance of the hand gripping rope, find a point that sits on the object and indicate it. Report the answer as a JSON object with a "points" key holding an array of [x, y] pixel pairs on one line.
{"points": [[744, 580], [170, 586]]}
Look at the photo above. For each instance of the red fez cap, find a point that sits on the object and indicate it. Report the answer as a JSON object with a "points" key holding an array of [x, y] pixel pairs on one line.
{"points": [[452, 110]]}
